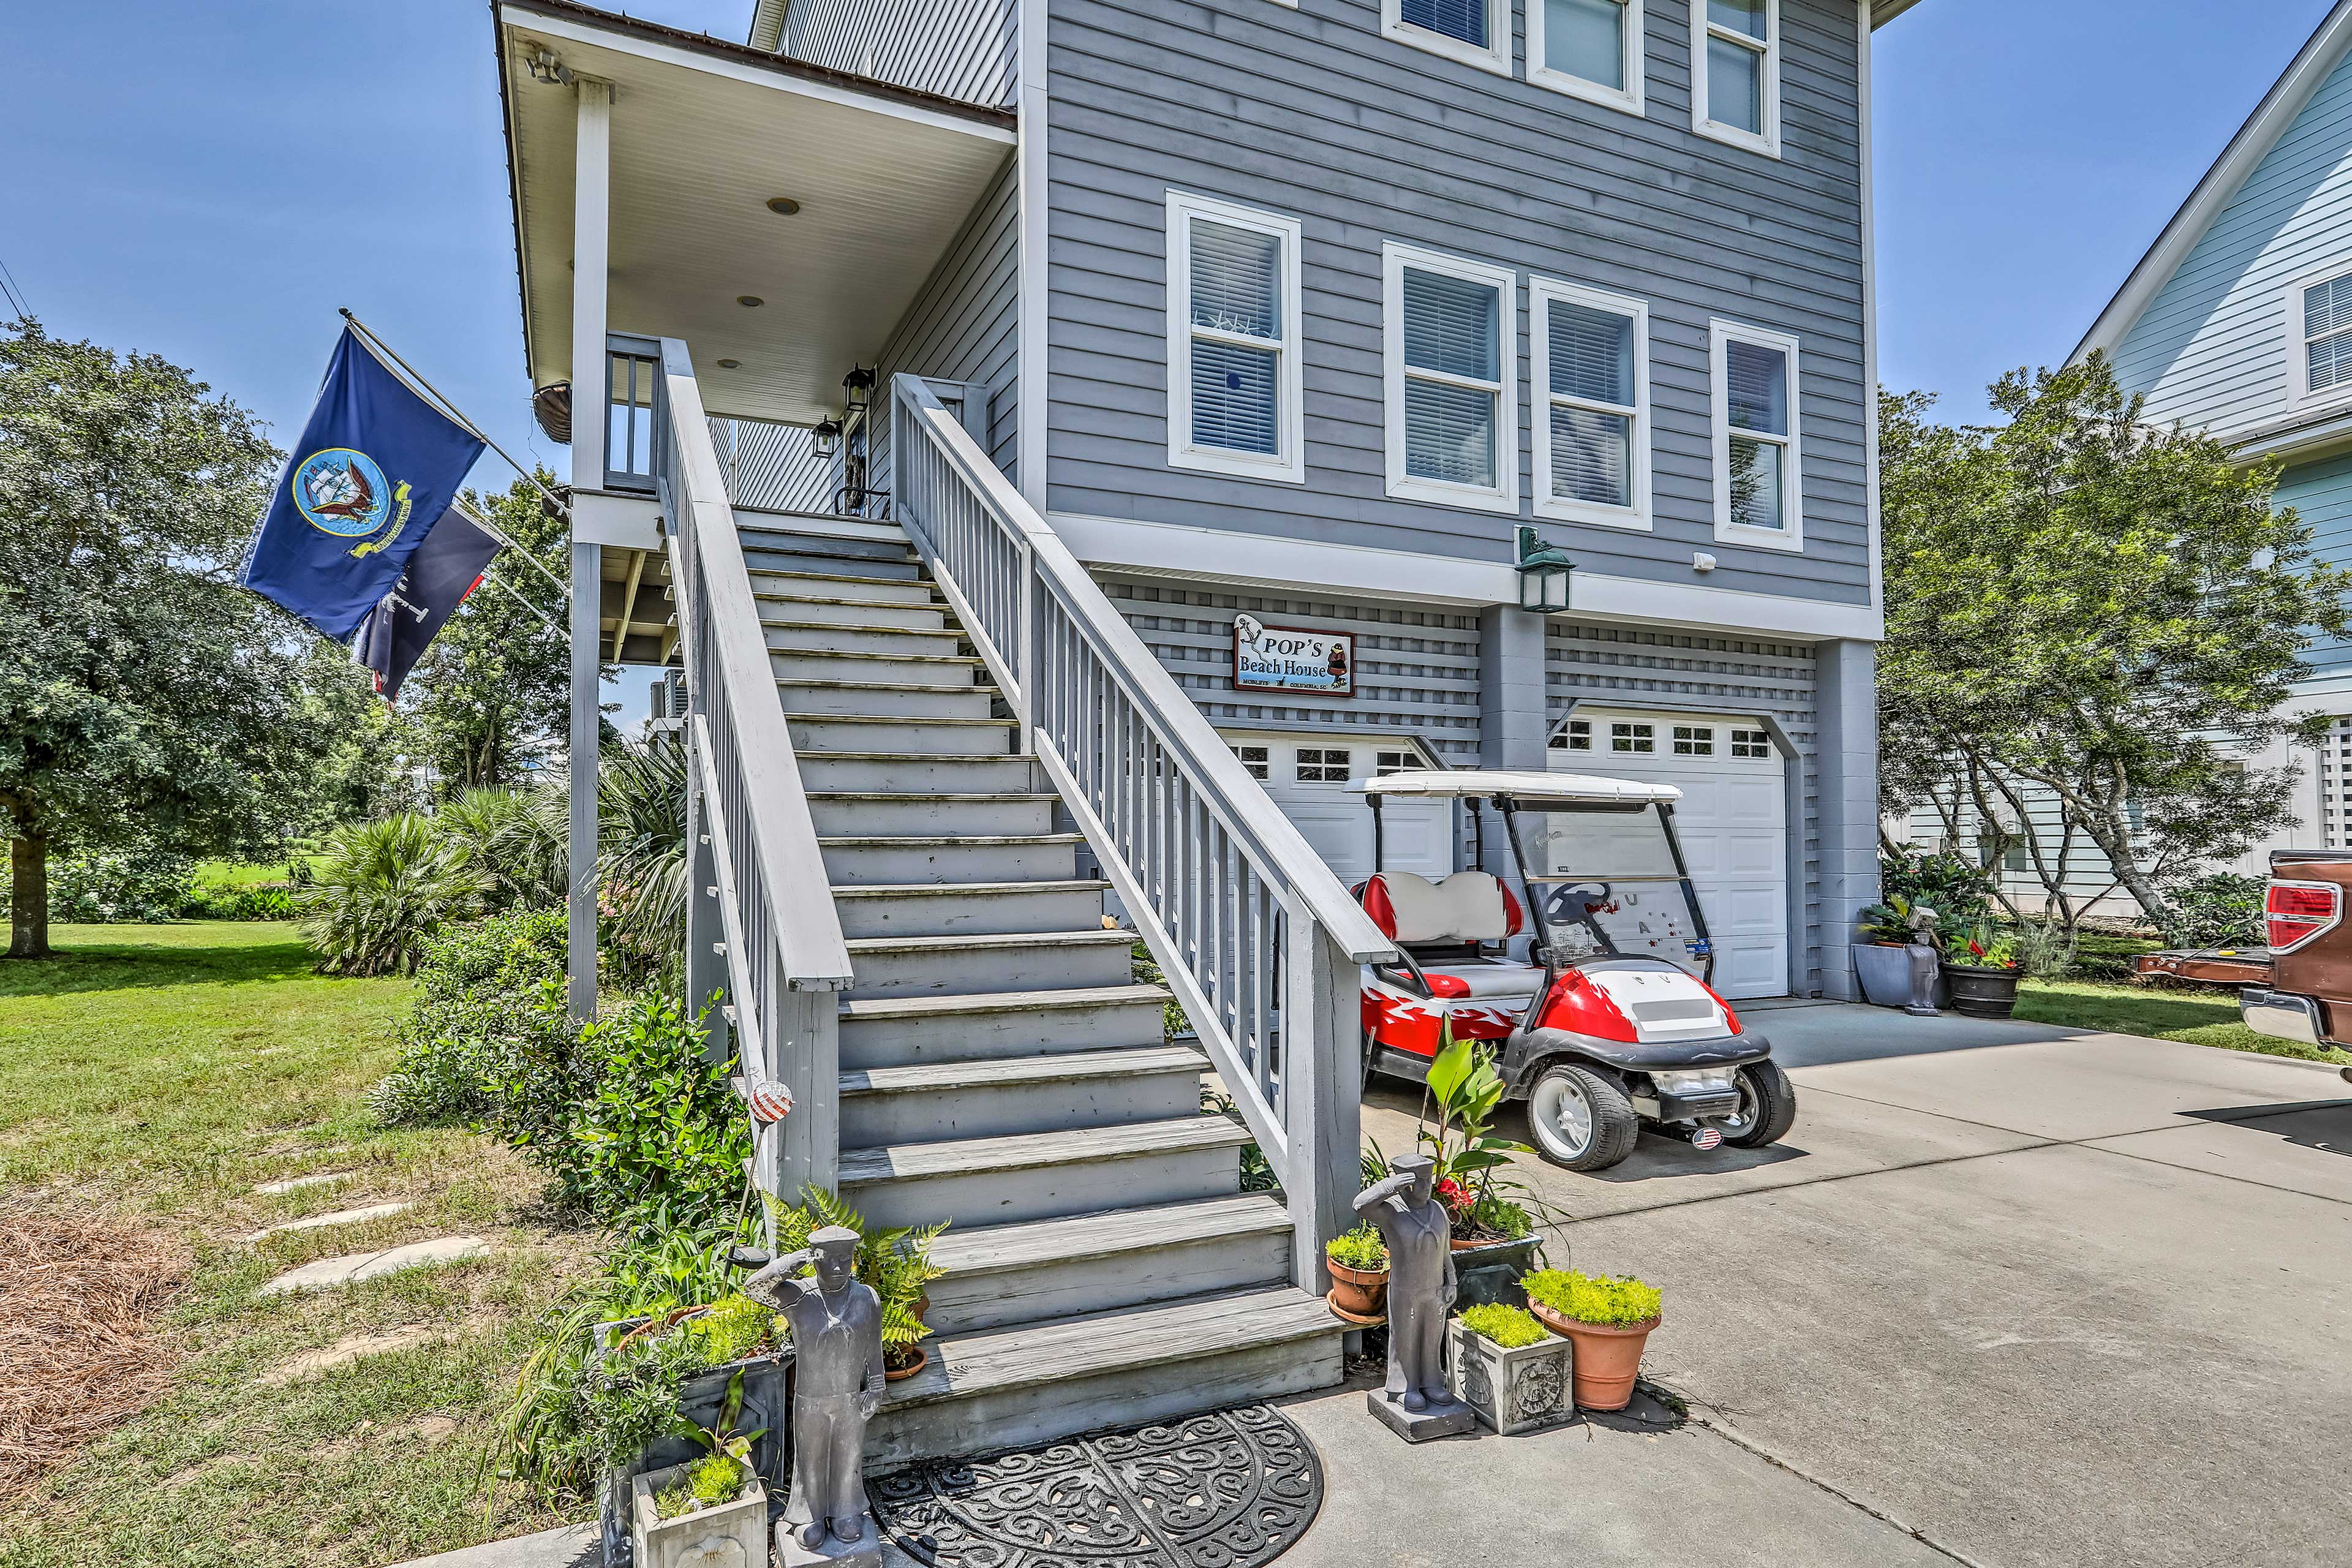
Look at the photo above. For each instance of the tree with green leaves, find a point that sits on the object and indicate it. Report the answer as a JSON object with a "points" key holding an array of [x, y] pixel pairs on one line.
{"points": [[143, 696], [2086, 609]]}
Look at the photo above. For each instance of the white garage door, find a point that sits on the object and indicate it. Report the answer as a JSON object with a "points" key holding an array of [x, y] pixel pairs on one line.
{"points": [[1307, 776], [1733, 820]]}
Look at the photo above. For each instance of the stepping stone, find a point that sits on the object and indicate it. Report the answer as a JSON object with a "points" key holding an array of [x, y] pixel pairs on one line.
{"points": [[295, 1183], [350, 1348], [341, 1216], [333, 1273]]}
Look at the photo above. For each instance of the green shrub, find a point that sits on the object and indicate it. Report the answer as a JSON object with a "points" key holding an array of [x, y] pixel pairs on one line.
{"points": [[1593, 1297], [1509, 1327], [1359, 1249], [263, 902], [733, 1328], [2219, 910], [138, 882], [1955, 888], [490, 1007], [641, 858], [383, 889], [519, 850]]}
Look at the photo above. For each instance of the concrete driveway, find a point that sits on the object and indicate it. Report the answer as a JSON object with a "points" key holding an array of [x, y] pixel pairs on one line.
{"points": [[2007, 1295]]}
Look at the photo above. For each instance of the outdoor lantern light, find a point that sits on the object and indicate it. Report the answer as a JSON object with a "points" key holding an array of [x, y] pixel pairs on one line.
{"points": [[546, 69], [828, 437], [1543, 575]]}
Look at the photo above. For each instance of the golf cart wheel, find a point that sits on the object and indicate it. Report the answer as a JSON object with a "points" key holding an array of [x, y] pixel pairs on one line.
{"points": [[1768, 1104], [1580, 1119]]}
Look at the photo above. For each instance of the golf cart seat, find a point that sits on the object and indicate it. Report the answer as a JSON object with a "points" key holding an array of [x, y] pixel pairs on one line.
{"points": [[1454, 934]]}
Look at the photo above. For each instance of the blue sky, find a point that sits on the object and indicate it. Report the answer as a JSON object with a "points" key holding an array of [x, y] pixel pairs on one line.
{"points": [[210, 182]]}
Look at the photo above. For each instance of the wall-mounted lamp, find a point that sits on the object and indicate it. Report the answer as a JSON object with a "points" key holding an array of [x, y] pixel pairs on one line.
{"points": [[1544, 572], [828, 437], [546, 69]]}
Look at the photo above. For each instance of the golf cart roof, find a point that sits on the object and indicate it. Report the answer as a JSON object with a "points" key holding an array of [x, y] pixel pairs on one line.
{"points": [[1528, 788]]}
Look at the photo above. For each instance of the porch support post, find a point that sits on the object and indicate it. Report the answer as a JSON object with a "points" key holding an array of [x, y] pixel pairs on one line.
{"points": [[1846, 757], [805, 1053], [1322, 1085], [590, 229], [1512, 729]]}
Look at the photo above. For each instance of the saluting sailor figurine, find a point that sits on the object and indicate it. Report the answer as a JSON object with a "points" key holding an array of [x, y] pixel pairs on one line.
{"points": [[837, 1386], [1416, 1404]]}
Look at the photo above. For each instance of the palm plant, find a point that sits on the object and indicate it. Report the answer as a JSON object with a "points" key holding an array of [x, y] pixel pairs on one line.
{"points": [[641, 852], [512, 845], [383, 889]]}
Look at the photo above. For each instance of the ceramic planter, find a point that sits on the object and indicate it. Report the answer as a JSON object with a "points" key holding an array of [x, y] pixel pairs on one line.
{"points": [[1358, 1292], [1608, 1358], [1980, 993], [732, 1535], [1517, 1390], [1894, 976], [1490, 1270]]}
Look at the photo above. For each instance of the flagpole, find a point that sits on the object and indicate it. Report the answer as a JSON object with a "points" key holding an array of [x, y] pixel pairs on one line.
{"points": [[516, 595], [500, 534]]}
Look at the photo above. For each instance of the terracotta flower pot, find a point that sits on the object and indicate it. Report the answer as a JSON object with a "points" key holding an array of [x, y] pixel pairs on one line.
{"points": [[1358, 1292], [899, 1373], [1608, 1358]]}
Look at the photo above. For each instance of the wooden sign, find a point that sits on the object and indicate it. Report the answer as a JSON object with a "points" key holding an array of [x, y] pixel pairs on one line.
{"points": [[1286, 658]]}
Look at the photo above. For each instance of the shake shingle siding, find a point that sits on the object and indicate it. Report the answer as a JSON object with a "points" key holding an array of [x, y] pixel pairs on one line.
{"points": [[959, 48], [1313, 114]]}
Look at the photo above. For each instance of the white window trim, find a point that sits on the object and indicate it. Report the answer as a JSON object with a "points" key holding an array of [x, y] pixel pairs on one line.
{"points": [[1494, 58], [2298, 368], [1541, 292], [1288, 464], [1504, 496], [1768, 144], [1629, 99], [1792, 470]]}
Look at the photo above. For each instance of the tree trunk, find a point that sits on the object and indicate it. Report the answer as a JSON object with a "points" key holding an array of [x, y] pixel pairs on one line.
{"points": [[29, 897]]}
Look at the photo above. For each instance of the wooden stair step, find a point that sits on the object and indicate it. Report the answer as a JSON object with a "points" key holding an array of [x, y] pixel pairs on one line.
{"points": [[1002, 1248], [913, 840], [804, 576], [906, 1008], [1036, 1151], [972, 797], [1014, 941], [967, 661], [1011, 1072], [967, 889]]}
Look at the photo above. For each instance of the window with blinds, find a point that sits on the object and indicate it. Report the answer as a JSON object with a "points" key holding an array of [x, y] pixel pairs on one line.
{"points": [[1736, 72], [1588, 48], [1477, 32], [1591, 376], [1757, 497], [1452, 411], [1233, 350], [2327, 334]]}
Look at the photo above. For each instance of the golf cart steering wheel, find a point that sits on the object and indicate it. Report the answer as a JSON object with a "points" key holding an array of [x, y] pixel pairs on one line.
{"points": [[1564, 906]]}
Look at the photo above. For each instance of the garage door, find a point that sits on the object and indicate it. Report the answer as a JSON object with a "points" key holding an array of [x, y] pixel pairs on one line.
{"points": [[1733, 820], [1307, 776]]}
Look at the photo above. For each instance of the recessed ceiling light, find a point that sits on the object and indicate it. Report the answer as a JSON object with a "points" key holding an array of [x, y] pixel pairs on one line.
{"points": [[731, 365], [749, 301], [782, 206]]}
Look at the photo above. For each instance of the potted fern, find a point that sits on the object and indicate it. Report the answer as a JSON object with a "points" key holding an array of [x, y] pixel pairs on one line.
{"points": [[1508, 1368], [691, 1513], [1358, 1262], [896, 1260], [1981, 965], [1608, 1320]]}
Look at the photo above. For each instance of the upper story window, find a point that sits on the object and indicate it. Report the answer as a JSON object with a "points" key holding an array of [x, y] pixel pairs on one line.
{"points": [[1736, 72], [1234, 376], [2323, 312], [1476, 32], [1591, 48], [1591, 379], [1759, 498], [1450, 352]]}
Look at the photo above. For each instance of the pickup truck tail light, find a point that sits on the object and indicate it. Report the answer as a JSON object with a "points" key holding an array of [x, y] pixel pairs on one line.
{"points": [[2295, 913]]}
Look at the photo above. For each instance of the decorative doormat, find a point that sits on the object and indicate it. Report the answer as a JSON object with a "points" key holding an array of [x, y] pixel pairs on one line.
{"points": [[1230, 1489]]}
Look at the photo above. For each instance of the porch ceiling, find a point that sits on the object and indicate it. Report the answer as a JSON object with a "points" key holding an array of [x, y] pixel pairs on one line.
{"points": [[703, 133]]}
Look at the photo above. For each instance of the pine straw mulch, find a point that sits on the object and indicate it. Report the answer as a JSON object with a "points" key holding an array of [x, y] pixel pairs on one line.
{"points": [[75, 1299]]}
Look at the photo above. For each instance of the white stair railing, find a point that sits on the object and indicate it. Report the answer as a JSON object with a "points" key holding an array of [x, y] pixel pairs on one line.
{"points": [[756, 853], [1256, 936]]}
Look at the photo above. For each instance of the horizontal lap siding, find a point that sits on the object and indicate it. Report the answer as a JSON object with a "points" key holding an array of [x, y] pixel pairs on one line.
{"points": [[959, 48], [1608, 665], [2215, 347], [2321, 494], [1313, 114], [963, 326]]}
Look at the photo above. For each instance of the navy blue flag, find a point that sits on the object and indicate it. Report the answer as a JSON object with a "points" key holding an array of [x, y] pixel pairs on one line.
{"points": [[376, 465], [445, 568]]}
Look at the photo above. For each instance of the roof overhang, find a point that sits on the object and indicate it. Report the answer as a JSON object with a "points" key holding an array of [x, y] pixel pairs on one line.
{"points": [[704, 132], [1881, 13]]}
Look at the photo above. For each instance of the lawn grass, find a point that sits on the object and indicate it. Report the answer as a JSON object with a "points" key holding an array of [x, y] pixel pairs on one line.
{"points": [[2201, 1017], [151, 1077]]}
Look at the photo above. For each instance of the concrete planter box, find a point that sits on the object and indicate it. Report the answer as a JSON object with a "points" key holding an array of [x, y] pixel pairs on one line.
{"points": [[1513, 1391], [767, 1402], [732, 1535]]}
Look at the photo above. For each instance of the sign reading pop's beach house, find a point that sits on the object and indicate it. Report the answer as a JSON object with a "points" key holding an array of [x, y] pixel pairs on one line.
{"points": [[1283, 658]]}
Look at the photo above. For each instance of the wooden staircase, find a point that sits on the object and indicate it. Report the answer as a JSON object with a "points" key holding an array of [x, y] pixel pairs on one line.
{"points": [[1000, 1068]]}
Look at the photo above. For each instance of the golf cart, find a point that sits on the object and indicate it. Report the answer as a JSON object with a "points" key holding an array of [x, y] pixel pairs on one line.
{"points": [[1591, 979]]}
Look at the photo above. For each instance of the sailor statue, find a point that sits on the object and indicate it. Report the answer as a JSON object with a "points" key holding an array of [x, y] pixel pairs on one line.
{"points": [[1415, 1402], [838, 1385]]}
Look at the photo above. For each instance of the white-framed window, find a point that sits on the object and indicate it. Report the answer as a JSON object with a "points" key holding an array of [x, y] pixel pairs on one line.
{"points": [[1589, 354], [1587, 49], [1233, 374], [1632, 736], [2319, 334], [1319, 764], [1758, 492], [1736, 72], [1386, 763], [1751, 743], [1449, 339], [1693, 740], [1576, 735], [1254, 761], [1475, 32]]}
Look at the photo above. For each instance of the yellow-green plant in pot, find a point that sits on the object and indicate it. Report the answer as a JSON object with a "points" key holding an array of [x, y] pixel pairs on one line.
{"points": [[1609, 1320], [1358, 1261]]}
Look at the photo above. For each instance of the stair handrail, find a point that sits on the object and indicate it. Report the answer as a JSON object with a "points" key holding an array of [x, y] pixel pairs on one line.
{"points": [[1248, 924], [780, 933]]}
